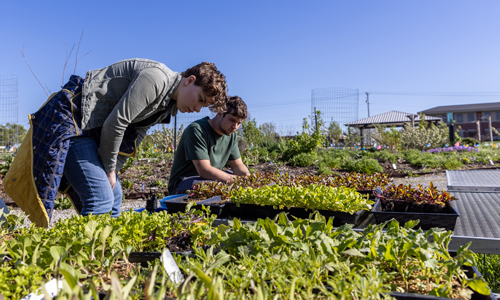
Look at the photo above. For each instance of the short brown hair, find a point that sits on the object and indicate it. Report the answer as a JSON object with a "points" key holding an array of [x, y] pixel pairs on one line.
{"points": [[236, 107], [212, 81]]}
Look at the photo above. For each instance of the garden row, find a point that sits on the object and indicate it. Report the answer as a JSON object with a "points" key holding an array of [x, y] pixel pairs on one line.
{"points": [[268, 259], [347, 197]]}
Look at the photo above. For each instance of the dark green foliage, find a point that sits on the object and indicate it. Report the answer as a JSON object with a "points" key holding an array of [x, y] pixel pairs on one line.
{"points": [[363, 165], [387, 155], [469, 141], [304, 159], [489, 266]]}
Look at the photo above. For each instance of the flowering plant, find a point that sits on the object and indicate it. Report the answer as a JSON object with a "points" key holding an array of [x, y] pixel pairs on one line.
{"points": [[451, 149]]}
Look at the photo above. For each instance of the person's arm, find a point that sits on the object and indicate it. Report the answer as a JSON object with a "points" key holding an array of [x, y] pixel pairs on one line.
{"points": [[206, 171], [238, 167]]}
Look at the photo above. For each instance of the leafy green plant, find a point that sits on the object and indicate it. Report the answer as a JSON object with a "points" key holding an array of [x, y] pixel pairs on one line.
{"points": [[205, 190], [5, 165], [63, 202], [306, 142], [489, 267], [311, 197], [162, 184], [127, 184]]}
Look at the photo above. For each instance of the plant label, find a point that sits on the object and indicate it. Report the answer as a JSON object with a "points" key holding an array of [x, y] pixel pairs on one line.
{"points": [[491, 162], [171, 267], [394, 166], [52, 287]]}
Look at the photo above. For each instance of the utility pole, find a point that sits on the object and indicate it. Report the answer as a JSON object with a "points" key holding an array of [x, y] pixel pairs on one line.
{"points": [[368, 102], [491, 130], [316, 118], [478, 125]]}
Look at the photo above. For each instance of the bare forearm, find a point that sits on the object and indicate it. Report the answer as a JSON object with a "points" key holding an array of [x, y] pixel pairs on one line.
{"points": [[240, 170], [215, 174]]}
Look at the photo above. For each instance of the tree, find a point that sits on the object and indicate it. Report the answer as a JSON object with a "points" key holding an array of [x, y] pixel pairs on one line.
{"points": [[352, 137], [268, 133], [334, 132], [390, 138], [12, 134], [251, 133]]}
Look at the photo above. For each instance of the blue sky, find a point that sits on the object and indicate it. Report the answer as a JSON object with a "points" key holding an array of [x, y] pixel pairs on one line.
{"points": [[272, 52]]}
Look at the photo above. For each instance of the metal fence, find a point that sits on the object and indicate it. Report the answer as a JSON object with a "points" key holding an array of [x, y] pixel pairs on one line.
{"points": [[336, 104], [9, 128], [184, 119]]}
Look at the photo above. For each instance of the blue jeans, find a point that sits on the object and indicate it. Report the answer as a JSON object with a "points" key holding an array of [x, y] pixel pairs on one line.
{"points": [[85, 173]]}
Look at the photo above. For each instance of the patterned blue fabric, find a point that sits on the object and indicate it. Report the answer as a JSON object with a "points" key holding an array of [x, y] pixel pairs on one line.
{"points": [[53, 125]]}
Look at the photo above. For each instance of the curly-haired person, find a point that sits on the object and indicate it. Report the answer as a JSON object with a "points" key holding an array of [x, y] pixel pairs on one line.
{"points": [[83, 134], [206, 146]]}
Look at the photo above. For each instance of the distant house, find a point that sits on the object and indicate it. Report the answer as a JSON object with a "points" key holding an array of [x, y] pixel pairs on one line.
{"points": [[466, 115]]}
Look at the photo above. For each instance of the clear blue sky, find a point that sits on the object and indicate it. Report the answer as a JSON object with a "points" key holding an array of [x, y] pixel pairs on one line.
{"points": [[272, 52]]}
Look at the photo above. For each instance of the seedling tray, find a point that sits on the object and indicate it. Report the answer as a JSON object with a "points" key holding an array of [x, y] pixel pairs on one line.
{"points": [[144, 257], [470, 271], [367, 192], [178, 204], [427, 220], [253, 211]]}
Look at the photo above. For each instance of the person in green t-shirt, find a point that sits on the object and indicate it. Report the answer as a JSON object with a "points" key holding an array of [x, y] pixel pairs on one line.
{"points": [[206, 146]]}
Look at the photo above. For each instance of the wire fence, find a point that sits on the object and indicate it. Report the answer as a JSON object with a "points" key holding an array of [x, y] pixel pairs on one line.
{"points": [[336, 104], [9, 128]]}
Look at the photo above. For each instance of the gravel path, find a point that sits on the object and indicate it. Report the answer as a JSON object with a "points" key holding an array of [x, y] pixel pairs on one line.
{"points": [[438, 180]]}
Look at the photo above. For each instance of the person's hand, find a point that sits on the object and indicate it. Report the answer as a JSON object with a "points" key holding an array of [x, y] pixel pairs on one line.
{"points": [[111, 178]]}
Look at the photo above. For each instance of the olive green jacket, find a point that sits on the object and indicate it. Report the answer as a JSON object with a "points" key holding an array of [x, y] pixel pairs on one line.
{"points": [[124, 93]]}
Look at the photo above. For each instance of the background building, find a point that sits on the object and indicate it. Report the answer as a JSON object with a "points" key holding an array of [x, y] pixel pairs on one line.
{"points": [[466, 116]]}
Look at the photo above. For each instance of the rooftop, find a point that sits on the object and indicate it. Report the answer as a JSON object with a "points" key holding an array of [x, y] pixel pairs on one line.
{"points": [[463, 108], [392, 118]]}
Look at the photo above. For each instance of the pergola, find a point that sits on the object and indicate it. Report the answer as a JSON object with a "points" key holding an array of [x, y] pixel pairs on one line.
{"points": [[389, 119]]}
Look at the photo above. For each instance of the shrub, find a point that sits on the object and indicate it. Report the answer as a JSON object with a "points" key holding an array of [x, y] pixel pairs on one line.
{"points": [[304, 159], [420, 160], [363, 165], [452, 163], [418, 137], [468, 141], [387, 155], [306, 142]]}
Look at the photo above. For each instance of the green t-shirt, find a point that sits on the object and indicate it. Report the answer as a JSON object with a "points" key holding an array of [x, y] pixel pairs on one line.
{"points": [[201, 141]]}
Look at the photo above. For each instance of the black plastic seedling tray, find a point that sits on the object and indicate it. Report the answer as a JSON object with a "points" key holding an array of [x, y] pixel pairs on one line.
{"points": [[253, 211], [179, 205], [144, 257], [427, 220]]}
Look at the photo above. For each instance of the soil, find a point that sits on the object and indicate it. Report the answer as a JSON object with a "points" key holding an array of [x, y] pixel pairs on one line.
{"points": [[179, 243]]}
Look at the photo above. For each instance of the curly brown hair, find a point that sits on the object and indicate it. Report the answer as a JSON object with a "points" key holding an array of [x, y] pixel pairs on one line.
{"points": [[213, 83], [236, 106]]}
